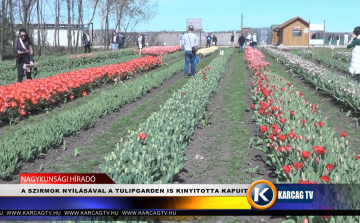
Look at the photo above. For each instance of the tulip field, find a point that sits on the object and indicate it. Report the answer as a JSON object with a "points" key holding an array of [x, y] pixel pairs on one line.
{"points": [[136, 118]]}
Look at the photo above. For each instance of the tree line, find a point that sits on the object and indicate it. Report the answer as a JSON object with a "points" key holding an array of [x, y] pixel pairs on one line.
{"points": [[34, 15]]}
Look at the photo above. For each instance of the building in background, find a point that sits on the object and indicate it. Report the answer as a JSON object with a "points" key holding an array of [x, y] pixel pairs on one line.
{"points": [[293, 32]]}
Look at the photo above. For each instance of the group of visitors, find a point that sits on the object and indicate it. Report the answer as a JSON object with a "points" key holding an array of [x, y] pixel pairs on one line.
{"points": [[117, 40], [209, 39], [251, 40]]}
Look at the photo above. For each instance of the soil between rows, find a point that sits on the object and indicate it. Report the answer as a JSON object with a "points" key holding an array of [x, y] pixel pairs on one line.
{"points": [[210, 149]]}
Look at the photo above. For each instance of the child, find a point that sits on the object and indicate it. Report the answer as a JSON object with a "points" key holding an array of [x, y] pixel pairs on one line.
{"points": [[355, 56]]}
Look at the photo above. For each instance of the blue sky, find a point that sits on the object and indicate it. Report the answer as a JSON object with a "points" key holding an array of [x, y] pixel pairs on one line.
{"points": [[217, 15]]}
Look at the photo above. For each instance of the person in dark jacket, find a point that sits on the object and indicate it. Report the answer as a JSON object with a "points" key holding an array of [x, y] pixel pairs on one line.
{"points": [[215, 40], [208, 40], [241, 43], [24, 55], [121, 40], [87, 42], [143, 41]]}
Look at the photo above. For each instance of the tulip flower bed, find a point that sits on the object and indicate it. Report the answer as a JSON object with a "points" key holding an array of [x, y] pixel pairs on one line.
{"points": [[342, 88], [8, 73], [331, 63], [27, 142], [343, 56], [154, 153], [19, 98], [159, 50], [295, 135], [207, 51]]}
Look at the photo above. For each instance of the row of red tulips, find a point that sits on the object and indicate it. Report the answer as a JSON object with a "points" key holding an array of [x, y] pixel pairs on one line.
{"points": [[159, 50], [19, 98], [295, 134]]}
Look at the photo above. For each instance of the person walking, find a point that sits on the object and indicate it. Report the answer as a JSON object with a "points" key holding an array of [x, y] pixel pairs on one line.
{"points": [[241, 43], [143, 43], [24, 55], [232, 40], [190, 43], [254, 41], [208, 40], [330, 39], [346, 39], [121, 40], [337, 40], [214, 40], [182, 47], [114, 41], [87, 42], [354, 43], [139, 41]]}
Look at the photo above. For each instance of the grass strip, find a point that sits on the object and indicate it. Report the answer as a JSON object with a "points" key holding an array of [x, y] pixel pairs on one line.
{"points": [[154, 153]]}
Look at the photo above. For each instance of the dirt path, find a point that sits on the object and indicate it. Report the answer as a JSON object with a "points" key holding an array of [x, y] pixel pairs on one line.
{"points": [[218, 152]]}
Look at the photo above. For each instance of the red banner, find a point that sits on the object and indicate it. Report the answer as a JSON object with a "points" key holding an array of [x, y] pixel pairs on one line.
{"points": [[65, 178]]}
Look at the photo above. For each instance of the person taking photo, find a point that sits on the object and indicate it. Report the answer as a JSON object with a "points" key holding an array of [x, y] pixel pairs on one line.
{"points": [[355, 55], [24, 55]]}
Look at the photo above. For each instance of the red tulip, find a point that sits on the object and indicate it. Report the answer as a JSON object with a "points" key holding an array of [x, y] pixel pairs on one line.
{"points": [[315, 124], [282, 120], [357, 157], [261, 112], [298, 165], [287, 169], [321, 124], [282, 89], [263, 129], [319, 150], [329, 166], [71, 96], [306, 155], [288, 148], [84, 93], [317, 159], [274, 126], [268, 113], [291, 135], [272, 137], [325, 178], [303, 121], [252, 107], [205, 77], [142, 136], [282, 137], [298, 137], [273, 108], [343, 134], [292, 113], [301, 94], [282, 149], [183, 92]]}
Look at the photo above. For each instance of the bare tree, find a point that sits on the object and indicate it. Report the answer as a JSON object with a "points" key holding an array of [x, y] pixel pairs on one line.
{"points": [[79, 23], [138, 11], [38, 29], [11, 24], [3, 16], [69, 25], [26, 10]]}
